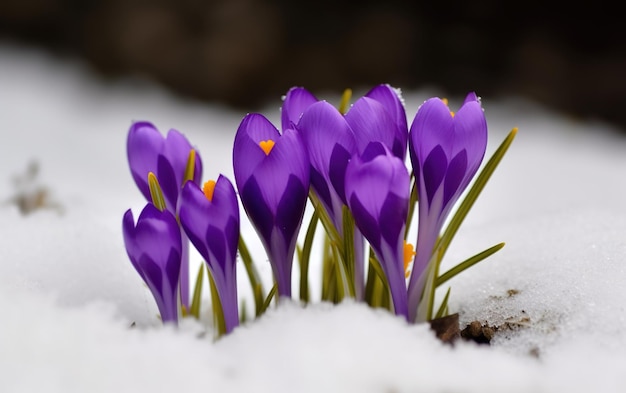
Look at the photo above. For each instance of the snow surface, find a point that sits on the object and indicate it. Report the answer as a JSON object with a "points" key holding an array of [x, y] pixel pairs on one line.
{"points": [[68, 293]]}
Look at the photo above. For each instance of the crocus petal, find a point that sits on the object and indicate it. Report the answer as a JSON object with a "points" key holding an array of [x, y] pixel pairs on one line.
{"points": [[392, 101], [176, 149], [377, 190], [433, 126], [154, 247], [297, 100], [143, 145], [213, 228], [247, 155], [330, 142], [471, 132], [370, 121], [273, 187], [446, 151]]}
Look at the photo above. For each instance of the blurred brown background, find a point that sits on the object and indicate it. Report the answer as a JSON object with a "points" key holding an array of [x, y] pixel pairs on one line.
{"points": [[246, 52]]}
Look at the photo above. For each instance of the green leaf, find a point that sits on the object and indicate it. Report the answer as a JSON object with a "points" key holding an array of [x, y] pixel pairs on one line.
{"points": [[156, 194], [443, 308], [474, 192], [348, 250], [190, 168], [468, 263], [345, 101], [328, 271], [327, 222], [340, 276], [412, 204], [218, 313], [243, 315], [305, 257], [270, 296], [253, 276], [197, 294]]}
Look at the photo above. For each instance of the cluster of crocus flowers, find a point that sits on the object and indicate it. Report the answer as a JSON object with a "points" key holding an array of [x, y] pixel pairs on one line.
{"points": [[350, 164]]}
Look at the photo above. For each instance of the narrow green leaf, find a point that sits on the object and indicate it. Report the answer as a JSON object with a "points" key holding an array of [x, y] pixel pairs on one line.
{"points": [[253, 276], [380, 285], [197, 294], [468, 263], [444, 305], [345, 101], [341, 290], [270, 296], [218, 312], [474, 192], [369, 284], [243, 315], [327, 222], [328, 270], [305, 257], [190, 168], [412, 204], [156, 194], [348, 250]]}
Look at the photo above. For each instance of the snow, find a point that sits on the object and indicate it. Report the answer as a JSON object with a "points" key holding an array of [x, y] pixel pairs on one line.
{"points": [[69, 295]]}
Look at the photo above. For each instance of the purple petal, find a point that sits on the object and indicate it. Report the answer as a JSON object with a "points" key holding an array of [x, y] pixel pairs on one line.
{"points": [[287, 157], [433, 125], [339, 159], [392, 218], [297, 100], [471, 133], [455, 175], [260, 214], [291, 207], [193, 216], [433, 172], [201, 219], [323, 128], [143, 145], [390, 99], [371, 122], [247, 153], [167, 179], [155, 249], [176, 149], [364, 220]]}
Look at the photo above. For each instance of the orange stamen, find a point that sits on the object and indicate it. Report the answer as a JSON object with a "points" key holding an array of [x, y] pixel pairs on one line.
{"points": [[445, 101], [267, 146], [409, 253], [208, 189]]}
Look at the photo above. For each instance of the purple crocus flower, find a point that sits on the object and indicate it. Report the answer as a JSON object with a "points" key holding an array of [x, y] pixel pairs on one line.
{"points": [[210, 218], [446, 150], [154, 248], [166, 157], [148, 151], [330, 142], [296, 101], [332, 139], [380, 116], [272, 176], [377, 191]]}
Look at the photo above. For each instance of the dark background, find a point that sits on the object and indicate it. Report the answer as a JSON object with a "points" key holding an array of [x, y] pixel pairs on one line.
{"points": [[243, 53]]}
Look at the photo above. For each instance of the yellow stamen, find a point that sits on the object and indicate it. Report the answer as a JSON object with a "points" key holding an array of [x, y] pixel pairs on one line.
{"points": [[267, 146], [409, 253], [156, 193], [445, 101], [208, 189], [191, 166], [345, 101]]}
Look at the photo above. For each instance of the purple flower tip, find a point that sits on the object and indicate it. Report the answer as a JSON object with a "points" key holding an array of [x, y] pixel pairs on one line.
{"points": [[154, 247]]}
